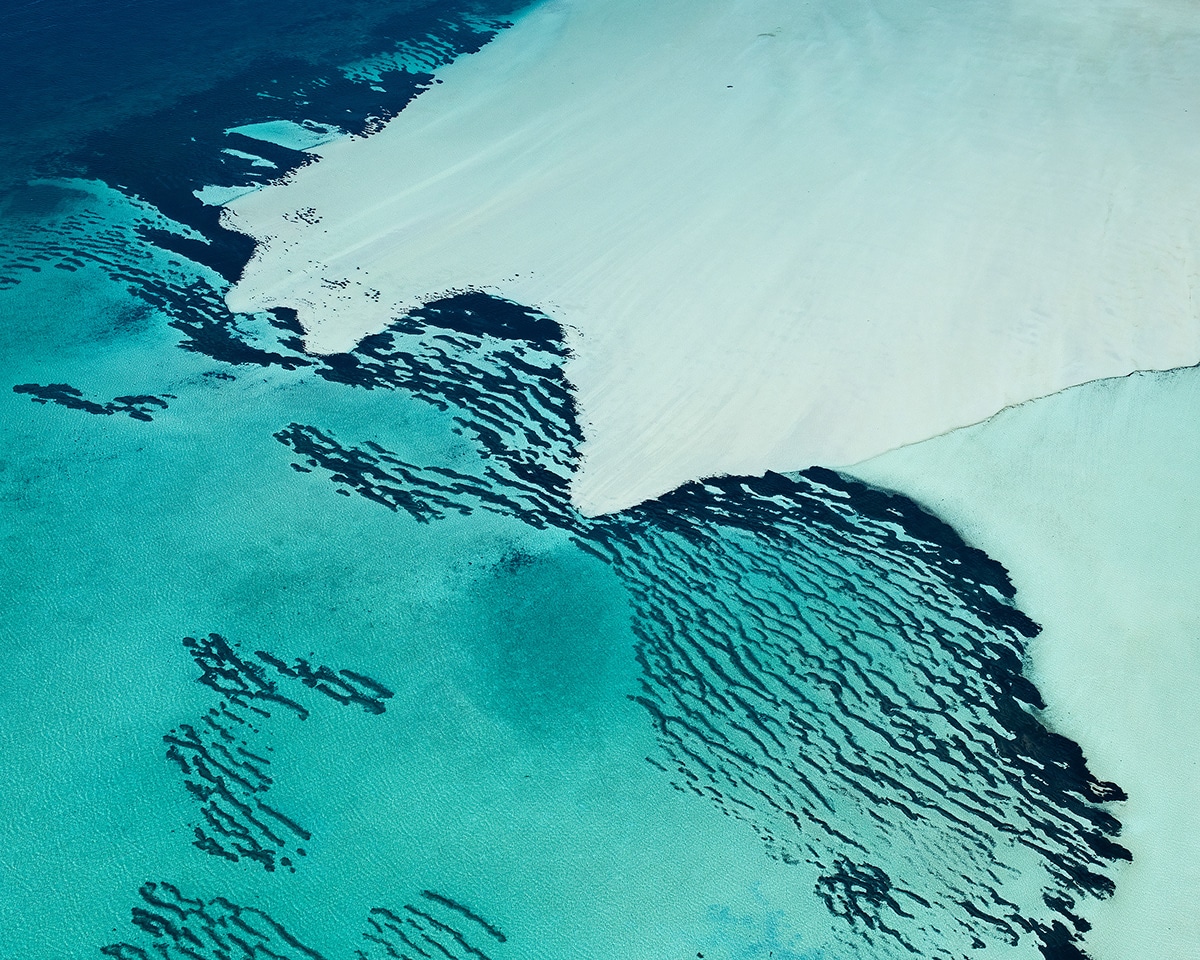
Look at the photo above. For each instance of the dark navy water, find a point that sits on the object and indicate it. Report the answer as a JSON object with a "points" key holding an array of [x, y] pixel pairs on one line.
{"points": [[312, 656]]}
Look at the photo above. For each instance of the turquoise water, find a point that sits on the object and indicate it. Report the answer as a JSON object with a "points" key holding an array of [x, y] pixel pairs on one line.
{"points": [[311, 657], [508, 768]]}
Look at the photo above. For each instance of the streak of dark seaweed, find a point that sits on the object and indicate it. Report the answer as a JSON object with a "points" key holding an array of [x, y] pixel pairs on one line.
{"points": [[64, 395], [172, 926], [175, 926], [224, 759]]}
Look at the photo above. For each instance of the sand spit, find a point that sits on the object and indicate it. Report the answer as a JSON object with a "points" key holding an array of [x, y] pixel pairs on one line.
{"points": [[783, 233], [1090, 499]]}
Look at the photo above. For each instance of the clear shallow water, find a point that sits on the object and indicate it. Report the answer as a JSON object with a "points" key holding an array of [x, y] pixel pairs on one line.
{"points": [[776, 717]]}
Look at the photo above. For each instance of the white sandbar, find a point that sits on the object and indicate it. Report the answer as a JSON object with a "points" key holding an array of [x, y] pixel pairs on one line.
{"points": [[782, 233], [1092, 500]]}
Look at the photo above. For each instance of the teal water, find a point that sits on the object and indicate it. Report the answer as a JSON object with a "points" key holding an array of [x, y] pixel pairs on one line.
{"points": [[507, 769], [312, 657]]}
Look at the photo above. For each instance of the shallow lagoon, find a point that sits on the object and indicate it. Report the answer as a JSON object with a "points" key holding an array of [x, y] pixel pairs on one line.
{"points": [[510, 758]]}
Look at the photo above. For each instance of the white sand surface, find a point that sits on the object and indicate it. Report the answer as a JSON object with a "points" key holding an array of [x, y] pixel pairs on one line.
{"points": [[1092, 500], [782, 233], [286, 133]]}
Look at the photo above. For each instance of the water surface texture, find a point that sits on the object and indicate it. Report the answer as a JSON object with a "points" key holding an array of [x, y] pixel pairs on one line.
{"points": [[313, 657]]}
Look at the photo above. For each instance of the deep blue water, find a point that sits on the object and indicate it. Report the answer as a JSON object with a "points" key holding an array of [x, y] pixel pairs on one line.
{"points": [[312, 657]]}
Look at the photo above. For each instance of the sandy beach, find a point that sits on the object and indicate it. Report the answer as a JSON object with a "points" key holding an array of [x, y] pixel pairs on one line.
{"points": [[782, 235]]}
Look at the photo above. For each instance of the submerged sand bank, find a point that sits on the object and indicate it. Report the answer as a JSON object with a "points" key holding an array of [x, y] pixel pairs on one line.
{"points": [[783, 234], [1090, 499]]}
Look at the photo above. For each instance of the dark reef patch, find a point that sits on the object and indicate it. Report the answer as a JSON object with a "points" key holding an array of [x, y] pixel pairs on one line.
{"points": [[176, 927], [224, 757], [824, 662], [65, 395]]}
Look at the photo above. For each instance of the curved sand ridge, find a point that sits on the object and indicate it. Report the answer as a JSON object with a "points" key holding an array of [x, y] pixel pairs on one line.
{"points": [[783, 234], [1089, 499]]}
